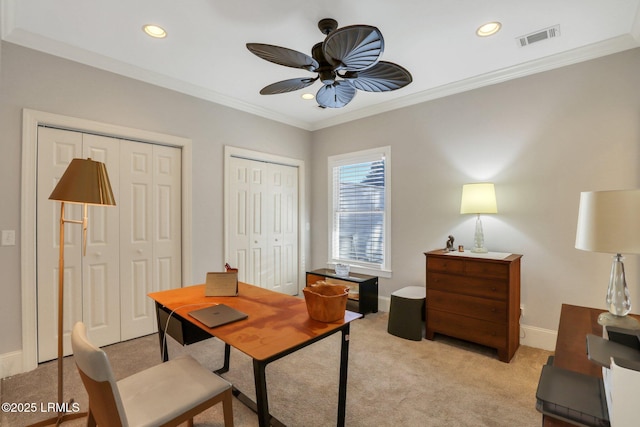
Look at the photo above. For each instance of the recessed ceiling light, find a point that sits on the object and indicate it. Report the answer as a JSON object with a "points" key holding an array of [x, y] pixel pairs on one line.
{"points": [[488, 29], [154, 31], [307, 96]]}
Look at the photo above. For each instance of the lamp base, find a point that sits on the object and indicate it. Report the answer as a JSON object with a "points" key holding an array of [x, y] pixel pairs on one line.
{"points": [[480, 250], [627, 322]]}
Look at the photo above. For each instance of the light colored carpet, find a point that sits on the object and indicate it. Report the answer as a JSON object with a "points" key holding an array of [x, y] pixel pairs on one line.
{"points": [[392, 381]]}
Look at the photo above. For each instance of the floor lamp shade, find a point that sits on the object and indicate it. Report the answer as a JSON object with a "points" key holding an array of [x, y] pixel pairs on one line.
{"points": [[478, 198], [609, 221], [84, 181]]}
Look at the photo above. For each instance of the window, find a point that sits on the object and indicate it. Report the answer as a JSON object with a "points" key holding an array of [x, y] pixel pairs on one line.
{"points": [[359, 209]]}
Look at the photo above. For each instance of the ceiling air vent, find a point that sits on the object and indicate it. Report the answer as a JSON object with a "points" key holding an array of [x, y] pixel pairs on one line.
{"points": [[538, 36]]}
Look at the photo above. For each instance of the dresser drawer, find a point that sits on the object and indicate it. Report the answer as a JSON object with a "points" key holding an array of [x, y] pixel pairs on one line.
{"points": [[484, 288], [466, 328], [478, 308], [450, 264], [487, 269]]}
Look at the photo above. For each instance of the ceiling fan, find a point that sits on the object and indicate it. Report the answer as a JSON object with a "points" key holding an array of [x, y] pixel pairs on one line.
{"points": [[347, 59]]}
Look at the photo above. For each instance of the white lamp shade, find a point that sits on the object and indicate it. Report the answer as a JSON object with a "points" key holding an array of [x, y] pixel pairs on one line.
{"points": [[609, 221], [479, 198]]}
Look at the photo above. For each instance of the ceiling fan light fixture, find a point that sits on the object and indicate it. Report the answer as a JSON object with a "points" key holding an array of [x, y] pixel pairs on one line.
{"points": [[488, 29], [154, 31], [347, 60], [307, 96]]}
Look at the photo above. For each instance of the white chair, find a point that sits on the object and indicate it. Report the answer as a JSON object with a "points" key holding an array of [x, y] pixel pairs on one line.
{"points": [[167, 394]]}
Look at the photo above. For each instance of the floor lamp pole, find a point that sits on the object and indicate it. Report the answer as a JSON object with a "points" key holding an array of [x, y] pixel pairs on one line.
{"points": [[62, 415], [61, 312]]}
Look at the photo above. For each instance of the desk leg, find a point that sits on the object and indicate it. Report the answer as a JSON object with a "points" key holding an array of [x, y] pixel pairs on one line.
{"points": [[344, 365], [262, 402], [227, 356], [164, 352]]}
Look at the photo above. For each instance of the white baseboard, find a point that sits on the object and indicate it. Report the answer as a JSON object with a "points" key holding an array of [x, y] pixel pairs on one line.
{"points": [[533, 336], [11, 364], [384, 303]]}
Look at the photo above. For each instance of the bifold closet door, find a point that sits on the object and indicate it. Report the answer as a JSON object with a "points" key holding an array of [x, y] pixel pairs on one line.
{"points": [[91, 283], [133, 248], [263, 223], [101, 264], [282, 228], [150, 218]]}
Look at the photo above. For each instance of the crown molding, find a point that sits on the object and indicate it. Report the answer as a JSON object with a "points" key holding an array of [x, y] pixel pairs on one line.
{"points": [[548, 63], [593, 51]]}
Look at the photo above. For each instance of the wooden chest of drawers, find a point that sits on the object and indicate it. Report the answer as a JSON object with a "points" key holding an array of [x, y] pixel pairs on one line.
{"points": [[475, 299]]}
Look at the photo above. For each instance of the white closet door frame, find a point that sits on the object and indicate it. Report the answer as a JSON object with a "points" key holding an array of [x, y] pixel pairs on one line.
{"points": [[31, 119], [230, 152]]}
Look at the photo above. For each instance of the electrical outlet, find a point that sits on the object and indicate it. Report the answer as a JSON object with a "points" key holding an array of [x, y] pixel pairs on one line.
{"points": [[8, 237]]}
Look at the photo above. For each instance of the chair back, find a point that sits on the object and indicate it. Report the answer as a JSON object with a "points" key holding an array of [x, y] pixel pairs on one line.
{"points": [[95, 370]]}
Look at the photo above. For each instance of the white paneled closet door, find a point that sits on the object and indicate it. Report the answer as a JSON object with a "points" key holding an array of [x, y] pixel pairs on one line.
{"points": [[263, 223], [91, 283], [150, 231], [247, 239], [55, 151], [282, 223], [101, 264], [132, 249], [167, 219]]}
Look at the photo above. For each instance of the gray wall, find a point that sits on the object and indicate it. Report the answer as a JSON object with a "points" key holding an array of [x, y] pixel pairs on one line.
{"points": [[34, 80], [541, 139]]}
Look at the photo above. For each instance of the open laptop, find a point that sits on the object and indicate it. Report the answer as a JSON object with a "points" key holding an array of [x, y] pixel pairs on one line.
{"points": [[217, 315]]}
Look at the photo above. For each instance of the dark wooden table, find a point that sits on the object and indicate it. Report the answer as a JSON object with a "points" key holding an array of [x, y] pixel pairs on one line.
{"points": [[571, 345]]}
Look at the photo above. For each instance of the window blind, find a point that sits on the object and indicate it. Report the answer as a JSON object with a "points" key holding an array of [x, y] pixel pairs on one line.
{"points": [[359, 212]]}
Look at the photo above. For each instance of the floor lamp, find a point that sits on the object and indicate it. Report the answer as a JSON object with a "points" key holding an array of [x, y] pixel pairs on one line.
{"points": [[85, 182]]}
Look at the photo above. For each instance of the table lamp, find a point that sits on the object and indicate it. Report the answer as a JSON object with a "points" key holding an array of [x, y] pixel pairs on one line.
{"points": [[609, 221], [479, 198], [85, 181]]}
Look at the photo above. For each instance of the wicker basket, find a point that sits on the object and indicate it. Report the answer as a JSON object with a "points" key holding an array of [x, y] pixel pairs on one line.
{"points": [[325, 302]]}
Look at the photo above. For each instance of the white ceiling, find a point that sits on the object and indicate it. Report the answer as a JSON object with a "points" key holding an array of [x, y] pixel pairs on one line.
{"points": [[204, 54]]}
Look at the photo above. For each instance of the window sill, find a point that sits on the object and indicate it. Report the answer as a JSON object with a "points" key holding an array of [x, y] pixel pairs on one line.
{"points": [[386, 274]]}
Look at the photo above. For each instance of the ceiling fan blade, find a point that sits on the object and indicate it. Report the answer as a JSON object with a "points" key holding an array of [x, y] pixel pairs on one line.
{"points": [[336, 95], [283, 56], [287, 86], [382, 77], [353, 48]]}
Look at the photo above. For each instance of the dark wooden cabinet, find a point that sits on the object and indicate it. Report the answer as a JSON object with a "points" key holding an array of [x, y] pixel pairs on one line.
{"points": [[474, 298], [571, 351], [363, 289]]}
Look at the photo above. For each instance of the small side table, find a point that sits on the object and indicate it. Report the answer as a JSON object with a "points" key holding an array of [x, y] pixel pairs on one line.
{"points": [[363, 289]]}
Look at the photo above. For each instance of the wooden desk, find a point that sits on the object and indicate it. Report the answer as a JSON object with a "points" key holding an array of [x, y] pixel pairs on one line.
{"points": [[571, 345], [277, 325]]}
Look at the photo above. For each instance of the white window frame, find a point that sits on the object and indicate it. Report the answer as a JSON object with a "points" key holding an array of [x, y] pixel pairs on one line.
{"points": [[381, 153]]}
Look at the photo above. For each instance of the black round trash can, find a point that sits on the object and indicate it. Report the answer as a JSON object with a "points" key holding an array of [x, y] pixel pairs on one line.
{"points": [[407, 312]]}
